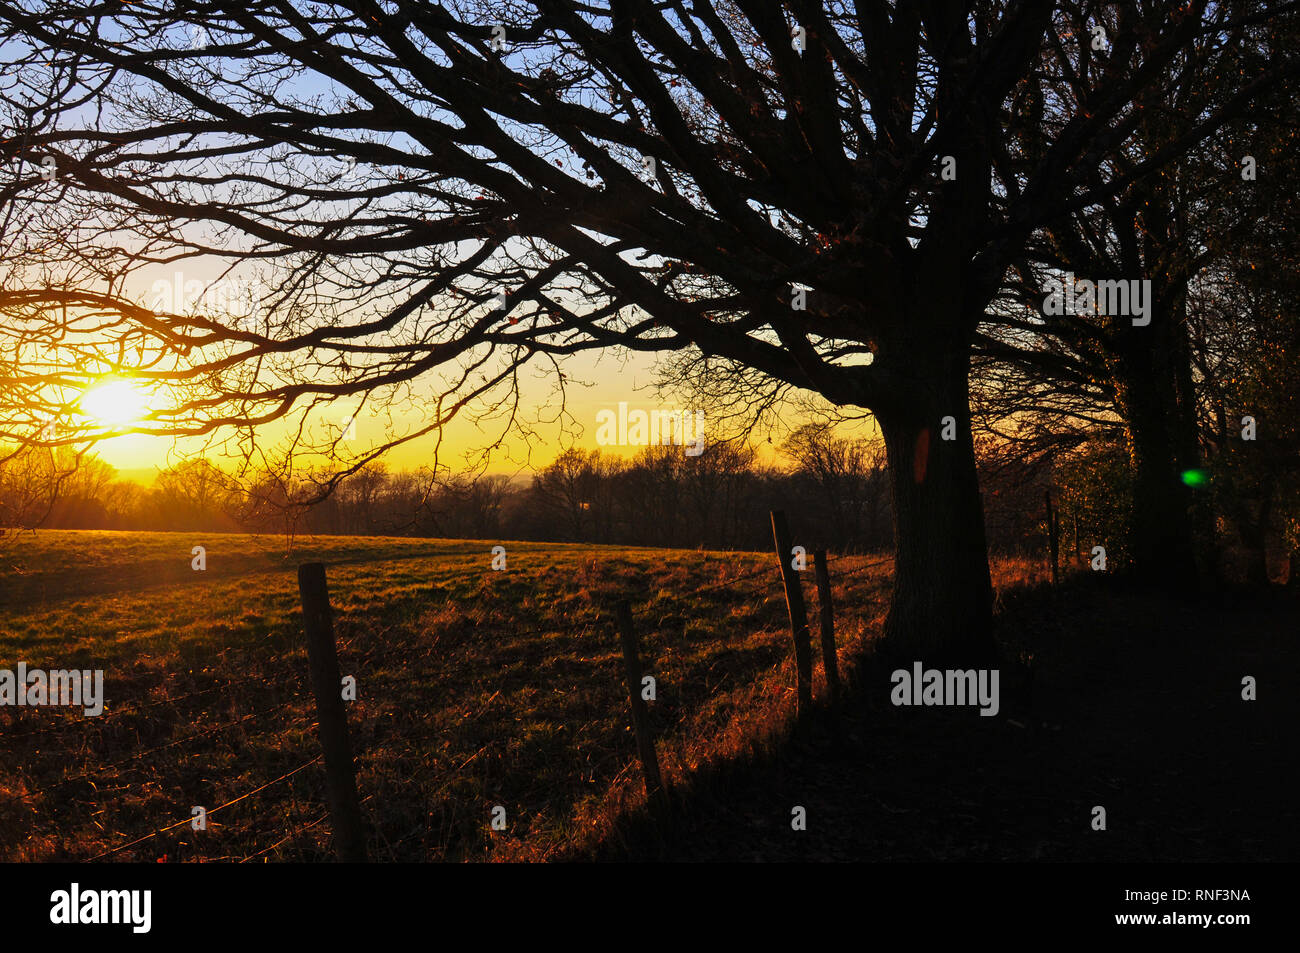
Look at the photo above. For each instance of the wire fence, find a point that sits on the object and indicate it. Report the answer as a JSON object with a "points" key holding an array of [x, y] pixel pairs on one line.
{"points": [[209, 811], [296, 696]]}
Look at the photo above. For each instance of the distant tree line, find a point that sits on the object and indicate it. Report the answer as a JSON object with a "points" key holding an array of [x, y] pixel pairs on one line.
{"points": [[835, 489]]}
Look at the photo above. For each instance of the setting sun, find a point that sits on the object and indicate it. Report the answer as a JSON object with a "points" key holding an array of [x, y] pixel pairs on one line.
{"points": [[116, 403]]}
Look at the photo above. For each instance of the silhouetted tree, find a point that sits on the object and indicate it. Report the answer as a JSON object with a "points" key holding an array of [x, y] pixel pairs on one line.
{"points": [[658, 177]]}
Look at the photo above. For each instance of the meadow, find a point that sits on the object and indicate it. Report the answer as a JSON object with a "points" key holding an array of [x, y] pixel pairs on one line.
{"points": [[480, 689], [476, 688]]}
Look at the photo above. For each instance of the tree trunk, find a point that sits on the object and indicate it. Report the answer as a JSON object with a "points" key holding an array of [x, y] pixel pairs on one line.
{"points": [[1252, 527], [941, 611], [1161, 524], [942, 606], [1161, 539]]}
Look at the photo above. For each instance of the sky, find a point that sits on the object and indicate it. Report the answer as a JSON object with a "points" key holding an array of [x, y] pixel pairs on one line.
{"points": [[607, 380], [596, 381], [612, 380]]}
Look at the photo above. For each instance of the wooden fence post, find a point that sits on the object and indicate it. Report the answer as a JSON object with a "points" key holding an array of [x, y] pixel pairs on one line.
{"points": [[798, 612], [645, 744], [323, 664], [1053, 537], [830, 661]]}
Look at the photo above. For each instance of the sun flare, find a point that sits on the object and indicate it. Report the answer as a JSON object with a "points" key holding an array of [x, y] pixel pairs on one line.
{"points": [[116, 403]]}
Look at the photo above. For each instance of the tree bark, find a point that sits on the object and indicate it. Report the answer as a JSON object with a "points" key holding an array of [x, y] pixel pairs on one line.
{"points": [[942, 606]]}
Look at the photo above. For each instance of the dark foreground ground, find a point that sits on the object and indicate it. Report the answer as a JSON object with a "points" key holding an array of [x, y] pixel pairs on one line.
{"points": [[1135, 706]]}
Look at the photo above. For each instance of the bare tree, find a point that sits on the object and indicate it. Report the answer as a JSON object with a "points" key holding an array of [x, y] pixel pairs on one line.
{"points": [[196, 494], [842, 473], [564, 489], [1055, 382], [807, 195], [715, 482]]}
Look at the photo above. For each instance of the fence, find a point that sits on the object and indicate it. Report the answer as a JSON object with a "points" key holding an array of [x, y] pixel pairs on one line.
{"points": [[343, 803]]}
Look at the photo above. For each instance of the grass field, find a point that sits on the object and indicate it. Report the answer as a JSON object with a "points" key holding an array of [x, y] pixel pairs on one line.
{"points": [[476, 688]]}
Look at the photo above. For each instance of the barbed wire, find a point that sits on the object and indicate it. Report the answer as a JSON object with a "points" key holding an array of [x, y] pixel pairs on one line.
{"points": [[113, 713], [296, 831], [292, 834], [723, 583], [865, 567], [208, 813], [171, 744]]}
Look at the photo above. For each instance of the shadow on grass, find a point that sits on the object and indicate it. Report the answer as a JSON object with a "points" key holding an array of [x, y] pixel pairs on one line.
{"points": [[1111, 698]]}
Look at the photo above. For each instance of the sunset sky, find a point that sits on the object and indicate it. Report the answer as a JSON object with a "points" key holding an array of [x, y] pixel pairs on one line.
{"points": [[137, 456], [595, 381], [612, 378], [198, 287]]}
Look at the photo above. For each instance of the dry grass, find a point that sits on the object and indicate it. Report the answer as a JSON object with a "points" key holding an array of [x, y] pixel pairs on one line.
{"points": [[476, 688]]}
